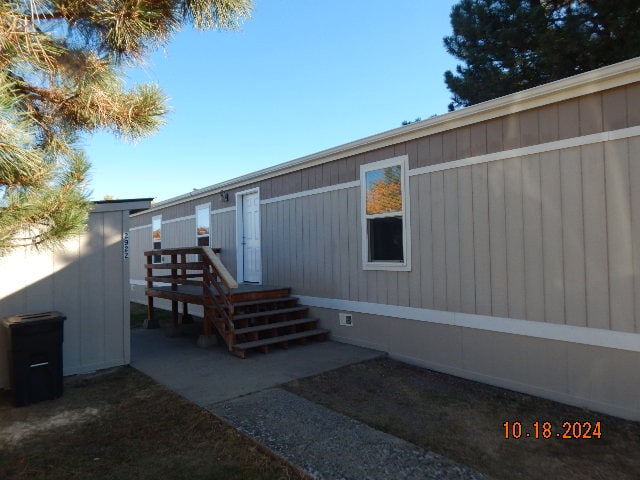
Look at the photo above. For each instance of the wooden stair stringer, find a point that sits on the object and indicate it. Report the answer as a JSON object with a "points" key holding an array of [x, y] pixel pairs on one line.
{"points": [[272, 319]]}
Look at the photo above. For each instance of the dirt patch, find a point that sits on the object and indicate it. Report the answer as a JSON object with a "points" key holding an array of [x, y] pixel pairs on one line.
{"points": [[123, 425], [464, 421]]}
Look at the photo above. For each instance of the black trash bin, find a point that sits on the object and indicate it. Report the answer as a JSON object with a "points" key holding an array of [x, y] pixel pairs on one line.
{"points": [[35, 356]]}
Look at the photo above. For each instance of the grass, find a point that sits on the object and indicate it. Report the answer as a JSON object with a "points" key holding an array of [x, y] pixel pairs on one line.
{"points": [[463, 420], [124, 425]]}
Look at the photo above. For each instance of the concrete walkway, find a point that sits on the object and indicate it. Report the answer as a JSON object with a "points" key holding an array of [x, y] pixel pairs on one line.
{"points": [[321, 442]]}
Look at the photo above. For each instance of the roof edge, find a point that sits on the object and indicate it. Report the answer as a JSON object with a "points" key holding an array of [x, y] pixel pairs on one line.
{"points": [[594, 81], [134, 205]]}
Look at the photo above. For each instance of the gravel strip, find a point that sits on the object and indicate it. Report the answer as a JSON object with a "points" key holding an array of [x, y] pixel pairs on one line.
{"points": [[328, 445]]}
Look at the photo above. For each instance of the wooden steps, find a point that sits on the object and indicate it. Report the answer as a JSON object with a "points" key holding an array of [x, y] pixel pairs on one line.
{"points": [[270, 313], [259, 303], [271, 318], [272, 326], [247, 316], [282, 340]]}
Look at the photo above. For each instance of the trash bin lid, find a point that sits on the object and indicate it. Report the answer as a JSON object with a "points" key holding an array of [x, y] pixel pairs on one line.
{"points": [[33, 319]]}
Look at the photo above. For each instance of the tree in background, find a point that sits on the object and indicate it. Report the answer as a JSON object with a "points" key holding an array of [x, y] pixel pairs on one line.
{"points": [[512, 45], [60, 77]]}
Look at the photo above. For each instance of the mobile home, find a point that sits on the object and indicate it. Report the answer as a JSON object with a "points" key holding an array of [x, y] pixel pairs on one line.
{"points": [[500, 242]]}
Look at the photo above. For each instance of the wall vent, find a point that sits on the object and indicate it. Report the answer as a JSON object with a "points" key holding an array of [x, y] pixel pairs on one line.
{"points": [[346, 319]]}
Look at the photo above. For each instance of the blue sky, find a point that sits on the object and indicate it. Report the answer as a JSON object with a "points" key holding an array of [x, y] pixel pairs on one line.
{"points": [[299, 77]]}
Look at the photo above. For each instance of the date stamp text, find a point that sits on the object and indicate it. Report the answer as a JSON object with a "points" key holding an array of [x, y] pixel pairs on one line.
{"points": [[567, 430]]}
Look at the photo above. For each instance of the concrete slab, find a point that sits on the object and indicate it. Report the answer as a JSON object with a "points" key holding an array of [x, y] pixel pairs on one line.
{"points": [[321, 442], [212, 375]]}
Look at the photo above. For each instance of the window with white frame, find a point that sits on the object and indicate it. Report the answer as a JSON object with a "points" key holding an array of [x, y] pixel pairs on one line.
{"points": [[203, 225], [156, 236], [385, 215]]}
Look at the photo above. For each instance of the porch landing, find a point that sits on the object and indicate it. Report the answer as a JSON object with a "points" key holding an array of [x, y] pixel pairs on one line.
{"points": [[193, 294]]}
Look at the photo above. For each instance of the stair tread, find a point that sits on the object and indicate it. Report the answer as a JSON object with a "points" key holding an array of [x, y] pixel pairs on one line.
{"points": [[263, 301], [270, 326], [283, 338], [267, 313]]}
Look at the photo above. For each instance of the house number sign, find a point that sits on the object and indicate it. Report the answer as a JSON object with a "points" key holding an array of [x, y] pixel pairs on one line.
{"points": [[125, 245]]}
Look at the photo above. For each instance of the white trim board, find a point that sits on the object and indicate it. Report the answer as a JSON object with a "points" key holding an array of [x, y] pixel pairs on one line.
{"points": [[139, 227], [532, 150], [490, 157], [179, 219], [223, 210], [315, 191], [550, 331]]}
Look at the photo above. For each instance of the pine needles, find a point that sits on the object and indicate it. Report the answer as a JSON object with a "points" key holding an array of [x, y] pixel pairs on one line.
{"points": [[60, 77]]}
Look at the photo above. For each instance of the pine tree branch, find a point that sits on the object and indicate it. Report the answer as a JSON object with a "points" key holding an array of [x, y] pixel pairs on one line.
{"points": [[52, 89]]}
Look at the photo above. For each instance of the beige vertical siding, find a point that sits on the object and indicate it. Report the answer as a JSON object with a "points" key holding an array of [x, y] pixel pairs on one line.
{"points": [[438, 242], [515, 236], [452, 236], [87, 280], [481, 244], [552, 251], [547, 237], [533, 252], [223, 236], [573, 238], [179, 234], [634, 181], [595, 236], [498, 240], [420, 285], [551, 236], [465, 228], [619, 235], [139, 241], [92, 330]]}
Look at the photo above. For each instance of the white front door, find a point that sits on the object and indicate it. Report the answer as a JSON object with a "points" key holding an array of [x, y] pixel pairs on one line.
{"points": [[251, 261]]}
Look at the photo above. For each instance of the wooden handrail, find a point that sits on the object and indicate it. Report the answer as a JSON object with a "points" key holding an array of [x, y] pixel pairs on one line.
{"points": [[217, 284], [219, 267]]}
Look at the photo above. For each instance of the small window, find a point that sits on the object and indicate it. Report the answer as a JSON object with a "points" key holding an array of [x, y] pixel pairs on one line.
{"points": [[203, 225], [156, 236], [385, 228]]}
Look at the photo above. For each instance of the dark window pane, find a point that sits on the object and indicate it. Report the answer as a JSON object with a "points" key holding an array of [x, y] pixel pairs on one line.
{"points": [[157, 258], [385, 239], [203, 241]]}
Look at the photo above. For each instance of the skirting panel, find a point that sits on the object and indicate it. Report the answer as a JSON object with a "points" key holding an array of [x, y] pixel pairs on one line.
{"points": [[602, 379]]}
